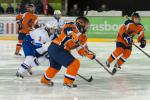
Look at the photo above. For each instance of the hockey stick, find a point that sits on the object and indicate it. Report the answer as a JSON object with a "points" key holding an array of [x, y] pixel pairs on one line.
{"points": [[141, 50], [103, 66], [88, 80]]}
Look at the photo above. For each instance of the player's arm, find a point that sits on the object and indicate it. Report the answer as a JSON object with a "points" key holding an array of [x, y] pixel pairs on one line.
{"points": [[69, 35], [84, 51], [39, 44], [74, 34], [35, 24], [19, 20], [83, 48], [71, 32], [41, 49], [123, 32], [60, 26], [141, 38]]}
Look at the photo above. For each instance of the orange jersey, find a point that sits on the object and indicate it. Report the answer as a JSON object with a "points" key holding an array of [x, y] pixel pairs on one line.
{"points": [[18, 21], [65, 39], [131, 29], [18, 18], [29, 20]]}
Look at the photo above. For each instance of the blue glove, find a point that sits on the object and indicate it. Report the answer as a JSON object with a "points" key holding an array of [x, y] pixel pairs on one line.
{"points": [[37, 45], [28, 38], [127, 38]]}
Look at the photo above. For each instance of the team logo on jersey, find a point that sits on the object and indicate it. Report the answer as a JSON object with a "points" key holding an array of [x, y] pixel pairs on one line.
{"points": [[131, 31]]}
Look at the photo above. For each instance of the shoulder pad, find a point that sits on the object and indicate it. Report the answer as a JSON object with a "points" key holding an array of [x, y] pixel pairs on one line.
{"points": [[70, 23], [140, 24], [128, 22]]}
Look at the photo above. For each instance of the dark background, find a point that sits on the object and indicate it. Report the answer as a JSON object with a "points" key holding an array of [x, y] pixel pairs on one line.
{"points": [[127, 6]]}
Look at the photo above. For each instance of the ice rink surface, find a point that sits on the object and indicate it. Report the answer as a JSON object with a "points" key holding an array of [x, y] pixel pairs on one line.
{"points": [[130, 83]]}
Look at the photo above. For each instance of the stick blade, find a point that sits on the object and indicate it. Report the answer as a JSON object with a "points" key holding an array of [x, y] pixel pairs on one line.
{"points": [[90, 79]]}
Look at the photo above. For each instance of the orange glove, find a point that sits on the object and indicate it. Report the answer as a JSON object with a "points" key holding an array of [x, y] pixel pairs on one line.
{"points": [[86, 53], [91, 55]]}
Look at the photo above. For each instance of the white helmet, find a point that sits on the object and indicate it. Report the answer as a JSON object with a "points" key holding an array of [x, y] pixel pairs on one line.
{"points": [[51, 27], [57, 12], [51, 24]]}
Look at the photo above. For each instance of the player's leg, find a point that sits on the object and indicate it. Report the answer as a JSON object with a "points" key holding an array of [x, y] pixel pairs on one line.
{"points": [[122, 60], [25, 66], [71, 73], [38, 61], [50, 72], [118, 51], [40, 57], [124, 57], [54, 66], [21, 36], [28, 49], [34, 62], [72, 64], [59, 56]]}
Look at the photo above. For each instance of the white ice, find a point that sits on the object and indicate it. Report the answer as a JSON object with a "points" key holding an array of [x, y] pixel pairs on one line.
{"points": [[130, 83]]}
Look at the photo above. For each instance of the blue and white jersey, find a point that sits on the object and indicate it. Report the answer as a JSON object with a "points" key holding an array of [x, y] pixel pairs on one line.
{"points": [[38, 38]]}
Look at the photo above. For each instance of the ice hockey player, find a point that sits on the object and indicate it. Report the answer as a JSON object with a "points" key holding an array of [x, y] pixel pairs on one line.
{"points": [[34, 48], [71, 37], [26, 22], [124, 41], [59, 20], [18, 21]]}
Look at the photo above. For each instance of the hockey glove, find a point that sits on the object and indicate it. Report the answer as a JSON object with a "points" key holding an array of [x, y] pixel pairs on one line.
{"points": [[91, 55], [143, 43], [127, 38]]}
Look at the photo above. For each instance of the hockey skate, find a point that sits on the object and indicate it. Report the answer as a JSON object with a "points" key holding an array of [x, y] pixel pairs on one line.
{"points": [[19, 75], [115, 69], [46, 82], [18, 54], [70, 85], [107, 64]]}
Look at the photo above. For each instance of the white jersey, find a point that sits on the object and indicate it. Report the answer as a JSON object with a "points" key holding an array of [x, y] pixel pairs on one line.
{"points": [[40, 36]]}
